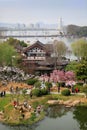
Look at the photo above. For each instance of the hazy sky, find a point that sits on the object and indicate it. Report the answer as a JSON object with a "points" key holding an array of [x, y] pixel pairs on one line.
{"points": [[47, 11]]}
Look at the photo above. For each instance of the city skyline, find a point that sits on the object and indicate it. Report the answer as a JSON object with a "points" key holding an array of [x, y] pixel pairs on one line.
{"points": [[47, 11]]}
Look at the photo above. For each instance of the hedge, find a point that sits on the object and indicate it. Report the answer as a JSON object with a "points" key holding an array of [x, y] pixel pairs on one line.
{"points": [[31, 81], [66, 92]]}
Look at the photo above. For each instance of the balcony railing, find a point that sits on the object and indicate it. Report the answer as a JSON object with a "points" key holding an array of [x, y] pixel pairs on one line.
{"points": [[36, 58]]}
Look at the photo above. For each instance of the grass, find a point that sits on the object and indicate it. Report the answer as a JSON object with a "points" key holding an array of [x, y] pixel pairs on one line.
{"points": [[4, 101], [13, 116], [61, 97]]}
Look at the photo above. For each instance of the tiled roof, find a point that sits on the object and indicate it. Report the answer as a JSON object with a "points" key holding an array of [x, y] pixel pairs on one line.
{"points": [[36, 44], [48, 47]]}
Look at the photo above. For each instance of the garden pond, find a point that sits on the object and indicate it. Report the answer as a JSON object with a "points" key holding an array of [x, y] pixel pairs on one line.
{"points": [[57, 118]]}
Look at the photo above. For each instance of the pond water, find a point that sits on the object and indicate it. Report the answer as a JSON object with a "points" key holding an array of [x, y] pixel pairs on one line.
{"points": [[58, 118]]}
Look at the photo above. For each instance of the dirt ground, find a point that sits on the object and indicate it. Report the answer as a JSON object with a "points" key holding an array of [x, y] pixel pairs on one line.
{"points": [[14, 85]]}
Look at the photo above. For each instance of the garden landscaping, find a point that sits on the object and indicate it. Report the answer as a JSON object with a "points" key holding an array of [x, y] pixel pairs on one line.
{"points": [[17, 114]]}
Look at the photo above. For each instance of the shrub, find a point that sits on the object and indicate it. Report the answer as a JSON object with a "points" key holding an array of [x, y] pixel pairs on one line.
{"points": [[48, 84], [84, 89], [36, 92], [44, 91], [39, 92], [78, 86], [37, 84], [31, 81], [66, 92]]}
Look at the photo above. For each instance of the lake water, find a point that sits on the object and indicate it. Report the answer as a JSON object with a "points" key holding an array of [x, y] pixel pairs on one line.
{"points": [[58, 118]]}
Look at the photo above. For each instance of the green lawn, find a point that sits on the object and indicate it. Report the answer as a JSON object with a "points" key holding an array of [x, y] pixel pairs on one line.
{"points": [[12, 116]]}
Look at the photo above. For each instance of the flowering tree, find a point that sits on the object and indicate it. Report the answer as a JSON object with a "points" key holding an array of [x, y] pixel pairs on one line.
{"points": [[57, 76], [44, 78], [60, 76], [70, 75]]}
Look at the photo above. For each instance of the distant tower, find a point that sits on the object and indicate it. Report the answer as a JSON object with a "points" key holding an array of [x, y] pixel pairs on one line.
{"points": [[60, 24]]}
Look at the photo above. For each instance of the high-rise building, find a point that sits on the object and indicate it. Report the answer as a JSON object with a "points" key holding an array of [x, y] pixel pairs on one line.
{"points": [[60, 24]]}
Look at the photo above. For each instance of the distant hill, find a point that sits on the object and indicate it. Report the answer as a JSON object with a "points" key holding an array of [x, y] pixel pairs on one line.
{"points": [[79, 31]]}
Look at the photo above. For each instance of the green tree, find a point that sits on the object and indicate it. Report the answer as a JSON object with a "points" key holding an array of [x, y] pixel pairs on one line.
{"points": [[60, 50], [80, 113], [13, 42], [19, 45], [48, 85], [6, 54], [80, 31], [72, 66], [23, 44], [79, 49], [79, 68]]}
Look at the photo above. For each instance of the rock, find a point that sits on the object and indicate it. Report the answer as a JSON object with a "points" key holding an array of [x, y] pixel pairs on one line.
{"points": [[76, 102], [73, 103], [61, 102], [68, 102], [51, 102]]}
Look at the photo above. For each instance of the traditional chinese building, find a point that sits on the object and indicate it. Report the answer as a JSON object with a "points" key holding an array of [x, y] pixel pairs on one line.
{"points": [[36, 52], [39, 57]]}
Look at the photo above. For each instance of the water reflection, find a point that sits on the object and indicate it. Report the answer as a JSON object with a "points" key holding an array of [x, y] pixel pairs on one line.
{"points": [[57, 111], [17, 127], [58, 118], [80, 114]]}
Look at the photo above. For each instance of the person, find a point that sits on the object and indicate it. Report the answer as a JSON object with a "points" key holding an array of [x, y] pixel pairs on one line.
{"points": [[58, 85], [3, 93], [22, 114], [39, 109], [76, 90], [25, 104], [17, 89], [29, 107], [11, 89], [72, 89], [21, 110], [31, 94], [59, 88], [15, 104]]}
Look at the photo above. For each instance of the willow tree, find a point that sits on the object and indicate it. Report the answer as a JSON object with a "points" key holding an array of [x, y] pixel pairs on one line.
{"points": [[60, 50], [79, 49], [7, 52]]}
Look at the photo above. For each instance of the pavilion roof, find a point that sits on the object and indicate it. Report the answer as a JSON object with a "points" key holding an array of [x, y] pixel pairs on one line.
{"points": [[36, 44]]}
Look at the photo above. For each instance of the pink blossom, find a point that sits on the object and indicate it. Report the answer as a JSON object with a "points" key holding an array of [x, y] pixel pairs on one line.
{"points": [[70, 75]]}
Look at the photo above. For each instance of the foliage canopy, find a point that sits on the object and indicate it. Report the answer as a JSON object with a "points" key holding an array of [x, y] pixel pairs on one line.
{"points": [[7, 53]]}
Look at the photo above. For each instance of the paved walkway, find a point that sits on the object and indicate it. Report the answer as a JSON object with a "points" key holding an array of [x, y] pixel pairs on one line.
{"points": [[71, 93]]}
